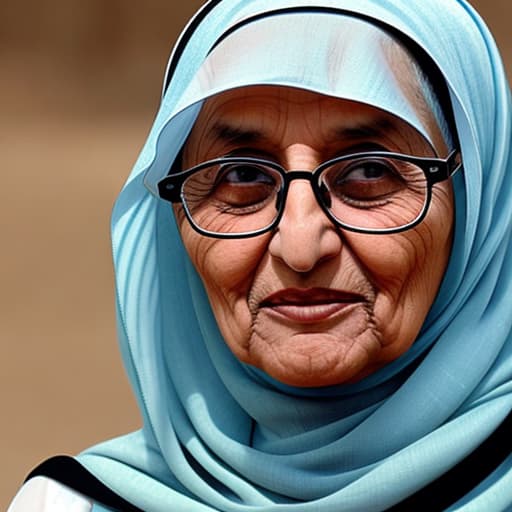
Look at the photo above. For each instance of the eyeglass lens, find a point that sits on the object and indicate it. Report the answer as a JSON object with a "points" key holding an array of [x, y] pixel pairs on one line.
{"points": [[367, 192]]}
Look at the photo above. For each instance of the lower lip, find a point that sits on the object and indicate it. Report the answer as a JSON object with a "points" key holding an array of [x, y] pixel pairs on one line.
{"points": [[310, 313]]}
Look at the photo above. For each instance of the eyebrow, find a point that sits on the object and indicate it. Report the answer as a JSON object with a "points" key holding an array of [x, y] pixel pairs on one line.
{"points": [[379, 128], [234, 135]]}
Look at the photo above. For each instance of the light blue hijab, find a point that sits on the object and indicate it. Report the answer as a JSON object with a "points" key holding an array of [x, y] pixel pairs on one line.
{"points": [[218, 435]]}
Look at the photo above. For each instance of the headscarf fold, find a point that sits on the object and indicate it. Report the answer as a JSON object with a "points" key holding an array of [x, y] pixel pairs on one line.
{"points": [[218, 435]]}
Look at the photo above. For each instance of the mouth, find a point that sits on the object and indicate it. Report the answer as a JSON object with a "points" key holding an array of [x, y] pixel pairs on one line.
{"points": [[310, 305]]}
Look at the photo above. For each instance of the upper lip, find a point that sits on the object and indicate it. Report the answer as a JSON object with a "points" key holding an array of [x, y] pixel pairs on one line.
{"points": [[310, 296]]}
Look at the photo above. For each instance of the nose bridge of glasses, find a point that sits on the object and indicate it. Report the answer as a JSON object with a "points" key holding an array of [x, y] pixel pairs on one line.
{"points": [[299, 175], [288, 177], [310, 176]]}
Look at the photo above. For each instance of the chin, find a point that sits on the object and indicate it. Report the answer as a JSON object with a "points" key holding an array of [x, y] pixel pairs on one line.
{"points": [[300, 370], [315, 379]]}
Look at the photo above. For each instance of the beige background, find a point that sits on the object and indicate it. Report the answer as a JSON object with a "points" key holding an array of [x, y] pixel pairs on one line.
{"points": [[79, 85]]}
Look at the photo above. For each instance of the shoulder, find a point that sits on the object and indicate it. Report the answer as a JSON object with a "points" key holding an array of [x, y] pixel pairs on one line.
{"points": [[42, 494]]}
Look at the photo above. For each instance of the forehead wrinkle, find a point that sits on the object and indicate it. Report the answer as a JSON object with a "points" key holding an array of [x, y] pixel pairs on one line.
{"points": [[379, 127], [356, 126]]}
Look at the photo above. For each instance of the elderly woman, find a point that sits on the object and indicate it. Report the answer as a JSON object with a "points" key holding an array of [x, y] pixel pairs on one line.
{"points": [[313, 267]]}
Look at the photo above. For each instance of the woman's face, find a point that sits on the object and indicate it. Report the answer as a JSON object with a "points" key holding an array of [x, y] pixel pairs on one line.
{"points": [[309, 303]]}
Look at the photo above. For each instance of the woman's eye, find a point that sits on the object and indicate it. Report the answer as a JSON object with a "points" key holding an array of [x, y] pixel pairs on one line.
{"points": [[237, 185], [368, 171], [245, 174], [366, 180]]}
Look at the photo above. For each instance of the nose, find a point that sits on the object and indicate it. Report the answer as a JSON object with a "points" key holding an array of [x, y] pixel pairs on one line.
{"points": [[305, 235]]}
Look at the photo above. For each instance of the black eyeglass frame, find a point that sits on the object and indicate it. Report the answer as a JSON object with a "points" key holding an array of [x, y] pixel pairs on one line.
{"points": [[436, 170]]}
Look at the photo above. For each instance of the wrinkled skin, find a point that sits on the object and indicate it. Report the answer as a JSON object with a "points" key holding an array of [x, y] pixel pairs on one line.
{"points": [[303, 337]]}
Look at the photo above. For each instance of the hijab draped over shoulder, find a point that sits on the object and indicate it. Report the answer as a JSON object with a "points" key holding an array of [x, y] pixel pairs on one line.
{"points": [[218, 435]]}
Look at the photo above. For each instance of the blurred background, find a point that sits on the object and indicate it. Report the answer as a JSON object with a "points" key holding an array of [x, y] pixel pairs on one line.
{"points": [[79, 85]]}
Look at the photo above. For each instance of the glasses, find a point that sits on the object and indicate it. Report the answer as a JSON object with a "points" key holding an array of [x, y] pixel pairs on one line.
{"points": [[373, 192]]}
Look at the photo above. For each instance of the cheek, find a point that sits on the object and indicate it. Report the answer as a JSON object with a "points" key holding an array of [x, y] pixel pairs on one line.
{"points": [[406, 270], [402, 276], [227, 269]]}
